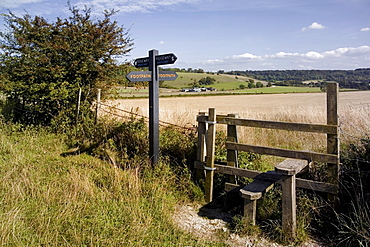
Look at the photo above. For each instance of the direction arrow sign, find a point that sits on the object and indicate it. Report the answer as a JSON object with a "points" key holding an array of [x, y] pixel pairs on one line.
{"points": [[147, 76], [167, 75], [141, 62], [169, 58], [139, 76], [165, 59]]}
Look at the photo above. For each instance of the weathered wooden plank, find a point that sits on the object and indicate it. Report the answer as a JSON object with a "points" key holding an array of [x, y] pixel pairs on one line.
{"points": [[291, 166], [287, 153], [317, 186], [303, 127], [255, 190], [300, 183], [230, 186], [237, 171]]}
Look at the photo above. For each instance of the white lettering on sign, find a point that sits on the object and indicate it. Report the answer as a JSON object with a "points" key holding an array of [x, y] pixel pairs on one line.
{"points": [[161, 75], [134, 76]]}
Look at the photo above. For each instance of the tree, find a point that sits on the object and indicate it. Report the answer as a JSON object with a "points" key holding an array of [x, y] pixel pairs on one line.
{"points": [[251, 84], [207, 81], [43, 64]]}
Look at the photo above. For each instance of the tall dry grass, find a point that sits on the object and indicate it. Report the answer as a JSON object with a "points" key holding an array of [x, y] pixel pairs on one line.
{"points": [[50, 200], [354, 115]]}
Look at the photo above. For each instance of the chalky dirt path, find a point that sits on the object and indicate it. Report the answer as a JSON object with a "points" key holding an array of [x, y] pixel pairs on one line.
{"points": [[211, 224]]}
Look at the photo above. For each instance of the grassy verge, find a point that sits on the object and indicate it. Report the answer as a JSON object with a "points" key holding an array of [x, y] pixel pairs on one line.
{"points": [[50, 200]]}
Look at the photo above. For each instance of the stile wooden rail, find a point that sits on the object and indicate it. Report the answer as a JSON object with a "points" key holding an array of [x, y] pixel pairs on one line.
{"points": [[284, 173]]}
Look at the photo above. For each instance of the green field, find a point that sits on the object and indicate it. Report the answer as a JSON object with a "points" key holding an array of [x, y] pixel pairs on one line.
{"points": [[223, 81], [224, 84]]}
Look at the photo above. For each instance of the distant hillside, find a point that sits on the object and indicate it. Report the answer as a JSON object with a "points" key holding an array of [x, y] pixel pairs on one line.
{"points": [[356, 79]]}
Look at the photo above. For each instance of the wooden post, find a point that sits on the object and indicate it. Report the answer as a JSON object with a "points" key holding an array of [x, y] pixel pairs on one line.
{"points": [[250, 211], [333, 139], [78, 105], [201, 145], [153, 109], [288, 170], [232, 155], [289, 205], [97, 106], [210, 158]]}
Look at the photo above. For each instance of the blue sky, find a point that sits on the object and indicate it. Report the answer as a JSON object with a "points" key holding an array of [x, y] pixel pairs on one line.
{"points": [[235, 34]]}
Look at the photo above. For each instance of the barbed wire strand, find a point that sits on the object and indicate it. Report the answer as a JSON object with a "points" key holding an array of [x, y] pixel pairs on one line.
{"points": [[162, 123]]}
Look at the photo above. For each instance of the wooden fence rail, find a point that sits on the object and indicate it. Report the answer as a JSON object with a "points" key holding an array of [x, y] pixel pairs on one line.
{"points": [[285, 173]]}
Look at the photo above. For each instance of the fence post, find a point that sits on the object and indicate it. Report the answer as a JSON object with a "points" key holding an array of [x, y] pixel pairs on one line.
{"points": [[202, 130], [97, 106], [78, 104], [232, 155], [333, 139], [210, 158]]}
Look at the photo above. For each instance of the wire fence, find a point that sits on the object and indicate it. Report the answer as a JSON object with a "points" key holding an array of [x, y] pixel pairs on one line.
{"points": [[113, 111]]}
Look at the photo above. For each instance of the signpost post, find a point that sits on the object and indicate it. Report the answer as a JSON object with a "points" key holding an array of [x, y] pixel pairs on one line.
{"points": [[153, 76]]}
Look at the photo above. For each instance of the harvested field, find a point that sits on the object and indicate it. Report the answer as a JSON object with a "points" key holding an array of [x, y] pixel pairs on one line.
{"points": [[354, 114], [185, 109]]}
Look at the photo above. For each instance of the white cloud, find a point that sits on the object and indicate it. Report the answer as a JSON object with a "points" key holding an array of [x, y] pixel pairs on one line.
{"points": [[313, 55], [365, 29], [314, 25], [161, 42], [341, 58], [13, 4], [131, 6], [246, 55]]}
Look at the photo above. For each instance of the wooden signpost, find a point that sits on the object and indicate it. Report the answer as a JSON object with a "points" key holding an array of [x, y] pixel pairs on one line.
{"points": [[153, 76]]}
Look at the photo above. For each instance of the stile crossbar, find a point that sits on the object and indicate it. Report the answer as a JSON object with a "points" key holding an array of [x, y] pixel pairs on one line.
{"points": [[285, 173]]}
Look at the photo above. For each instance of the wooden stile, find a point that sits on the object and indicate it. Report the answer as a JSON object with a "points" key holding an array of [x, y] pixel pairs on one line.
{"points": [[285, 172]]}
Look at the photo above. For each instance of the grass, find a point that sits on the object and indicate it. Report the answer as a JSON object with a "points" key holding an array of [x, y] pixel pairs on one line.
{"points": [[50, 200], [227, 82], [47, 199]]}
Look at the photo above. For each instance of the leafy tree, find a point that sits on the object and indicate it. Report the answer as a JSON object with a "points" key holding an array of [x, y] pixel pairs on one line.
{"points": [[259, 84], [207, 81], [43, 64]]}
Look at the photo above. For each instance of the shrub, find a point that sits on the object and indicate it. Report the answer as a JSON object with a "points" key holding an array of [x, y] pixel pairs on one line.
{"points": [[44, 64]]}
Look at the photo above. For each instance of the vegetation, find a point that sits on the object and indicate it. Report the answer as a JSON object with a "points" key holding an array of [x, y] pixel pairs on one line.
{"points": [[350, 79], [44, 64], [119, 199], [54, 200], [355, 79]]}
